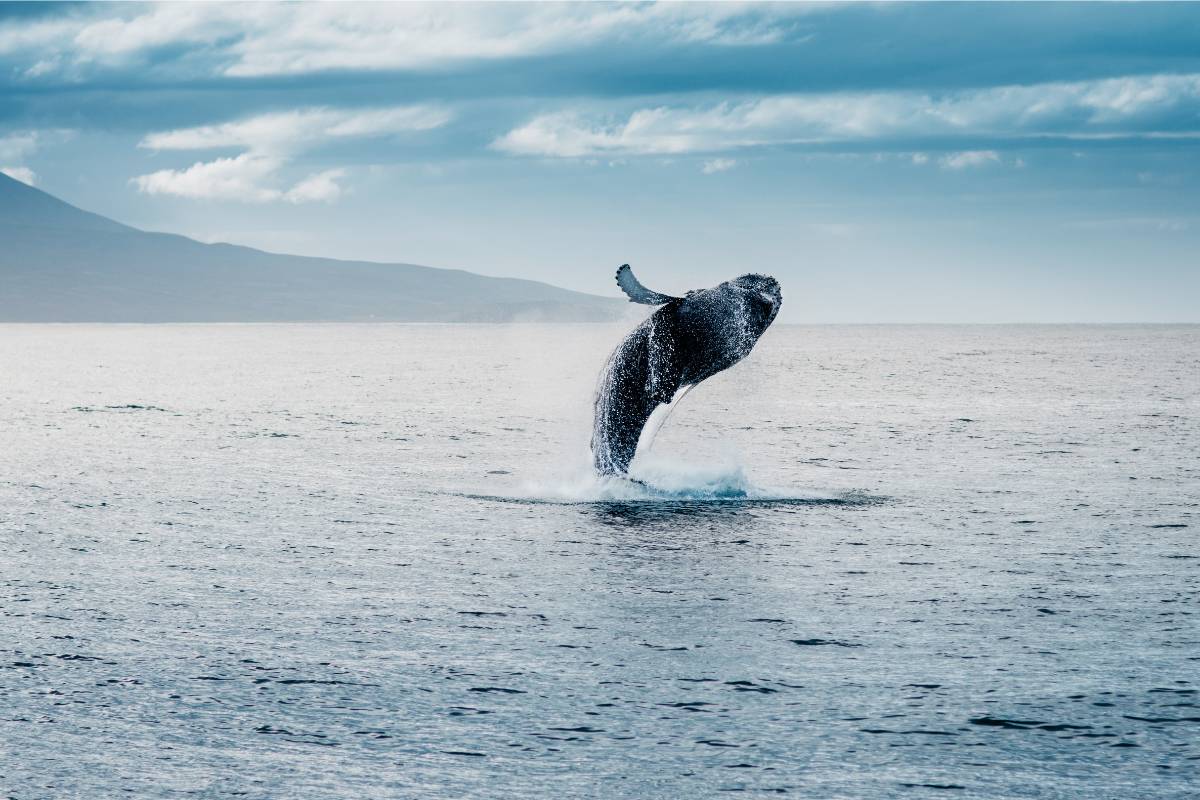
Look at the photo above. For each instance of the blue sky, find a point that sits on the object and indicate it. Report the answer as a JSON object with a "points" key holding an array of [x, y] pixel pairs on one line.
{"points": [[888, 163]]}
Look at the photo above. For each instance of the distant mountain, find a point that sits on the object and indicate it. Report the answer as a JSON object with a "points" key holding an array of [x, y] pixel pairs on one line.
{"points": [[61, 264]]}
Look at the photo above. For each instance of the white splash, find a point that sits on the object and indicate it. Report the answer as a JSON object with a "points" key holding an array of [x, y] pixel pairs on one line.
{"points": [[655, 479]]}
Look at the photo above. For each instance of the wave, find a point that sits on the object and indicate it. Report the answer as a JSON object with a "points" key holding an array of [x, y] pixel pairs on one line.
{"points": [[663, 481]]}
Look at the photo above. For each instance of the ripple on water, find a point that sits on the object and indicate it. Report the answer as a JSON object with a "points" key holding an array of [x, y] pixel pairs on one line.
{"points": [[377, 609]]}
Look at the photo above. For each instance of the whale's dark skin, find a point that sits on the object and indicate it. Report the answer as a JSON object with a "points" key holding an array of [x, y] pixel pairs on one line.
{"points": [[688, 339]]}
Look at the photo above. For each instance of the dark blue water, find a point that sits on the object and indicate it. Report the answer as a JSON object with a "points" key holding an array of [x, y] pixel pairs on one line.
{"points": [[369, 561]]}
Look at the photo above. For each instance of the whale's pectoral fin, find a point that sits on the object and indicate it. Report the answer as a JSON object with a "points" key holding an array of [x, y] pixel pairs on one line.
{"points": [[638, 293], [664, 372]]}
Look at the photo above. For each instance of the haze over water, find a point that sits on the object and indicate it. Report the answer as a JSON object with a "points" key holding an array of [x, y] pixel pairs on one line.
{"points": [[349, 561]]}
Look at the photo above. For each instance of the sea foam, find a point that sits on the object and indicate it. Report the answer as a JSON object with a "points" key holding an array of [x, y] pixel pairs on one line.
{"points": [[655, 479]]}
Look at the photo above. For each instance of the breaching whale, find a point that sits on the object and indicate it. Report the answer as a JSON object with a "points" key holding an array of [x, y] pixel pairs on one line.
{"points": [[688, 339]]}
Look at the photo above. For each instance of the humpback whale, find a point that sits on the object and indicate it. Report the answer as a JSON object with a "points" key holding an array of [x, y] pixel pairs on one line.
{"points": [[686, 340]]}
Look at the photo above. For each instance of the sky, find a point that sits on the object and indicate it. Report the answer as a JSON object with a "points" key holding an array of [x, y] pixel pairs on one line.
{"points": [[886, 162]]}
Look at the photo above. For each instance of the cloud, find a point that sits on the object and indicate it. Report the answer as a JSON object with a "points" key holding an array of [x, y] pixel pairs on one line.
{"points": [[969, 158], [23, 36], [1148, 106], [718, 165], [16, 146], [254, 40], [322, 187], [242, 179], [22, 174], [270, 142], [159, 26], [315, 38], [297, 129], [239, 178]]}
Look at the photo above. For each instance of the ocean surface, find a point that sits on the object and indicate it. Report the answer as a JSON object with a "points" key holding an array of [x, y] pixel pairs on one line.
{"points": [[369, 561]]}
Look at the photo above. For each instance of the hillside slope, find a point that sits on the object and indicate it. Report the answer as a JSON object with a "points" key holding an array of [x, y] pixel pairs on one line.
{"points": [[59, 263]]}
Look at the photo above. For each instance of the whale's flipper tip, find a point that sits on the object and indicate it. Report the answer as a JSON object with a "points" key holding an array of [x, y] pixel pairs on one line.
{"points": [[637, 293]]}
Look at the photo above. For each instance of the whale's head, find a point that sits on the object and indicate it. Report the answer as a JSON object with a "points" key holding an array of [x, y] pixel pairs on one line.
{"points": [[761, 297]]}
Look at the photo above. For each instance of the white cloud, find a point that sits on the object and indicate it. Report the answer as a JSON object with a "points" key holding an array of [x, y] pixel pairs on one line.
{"points": [[21, 35], [244, 178], [270, 142], [239, 178], [159, 26], [321, 187], [43, 67], [969, 158], [718, 165], [292, 130], [1107, 108], [22, 174], [259, 39], [648, 131], [16, 146]]}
